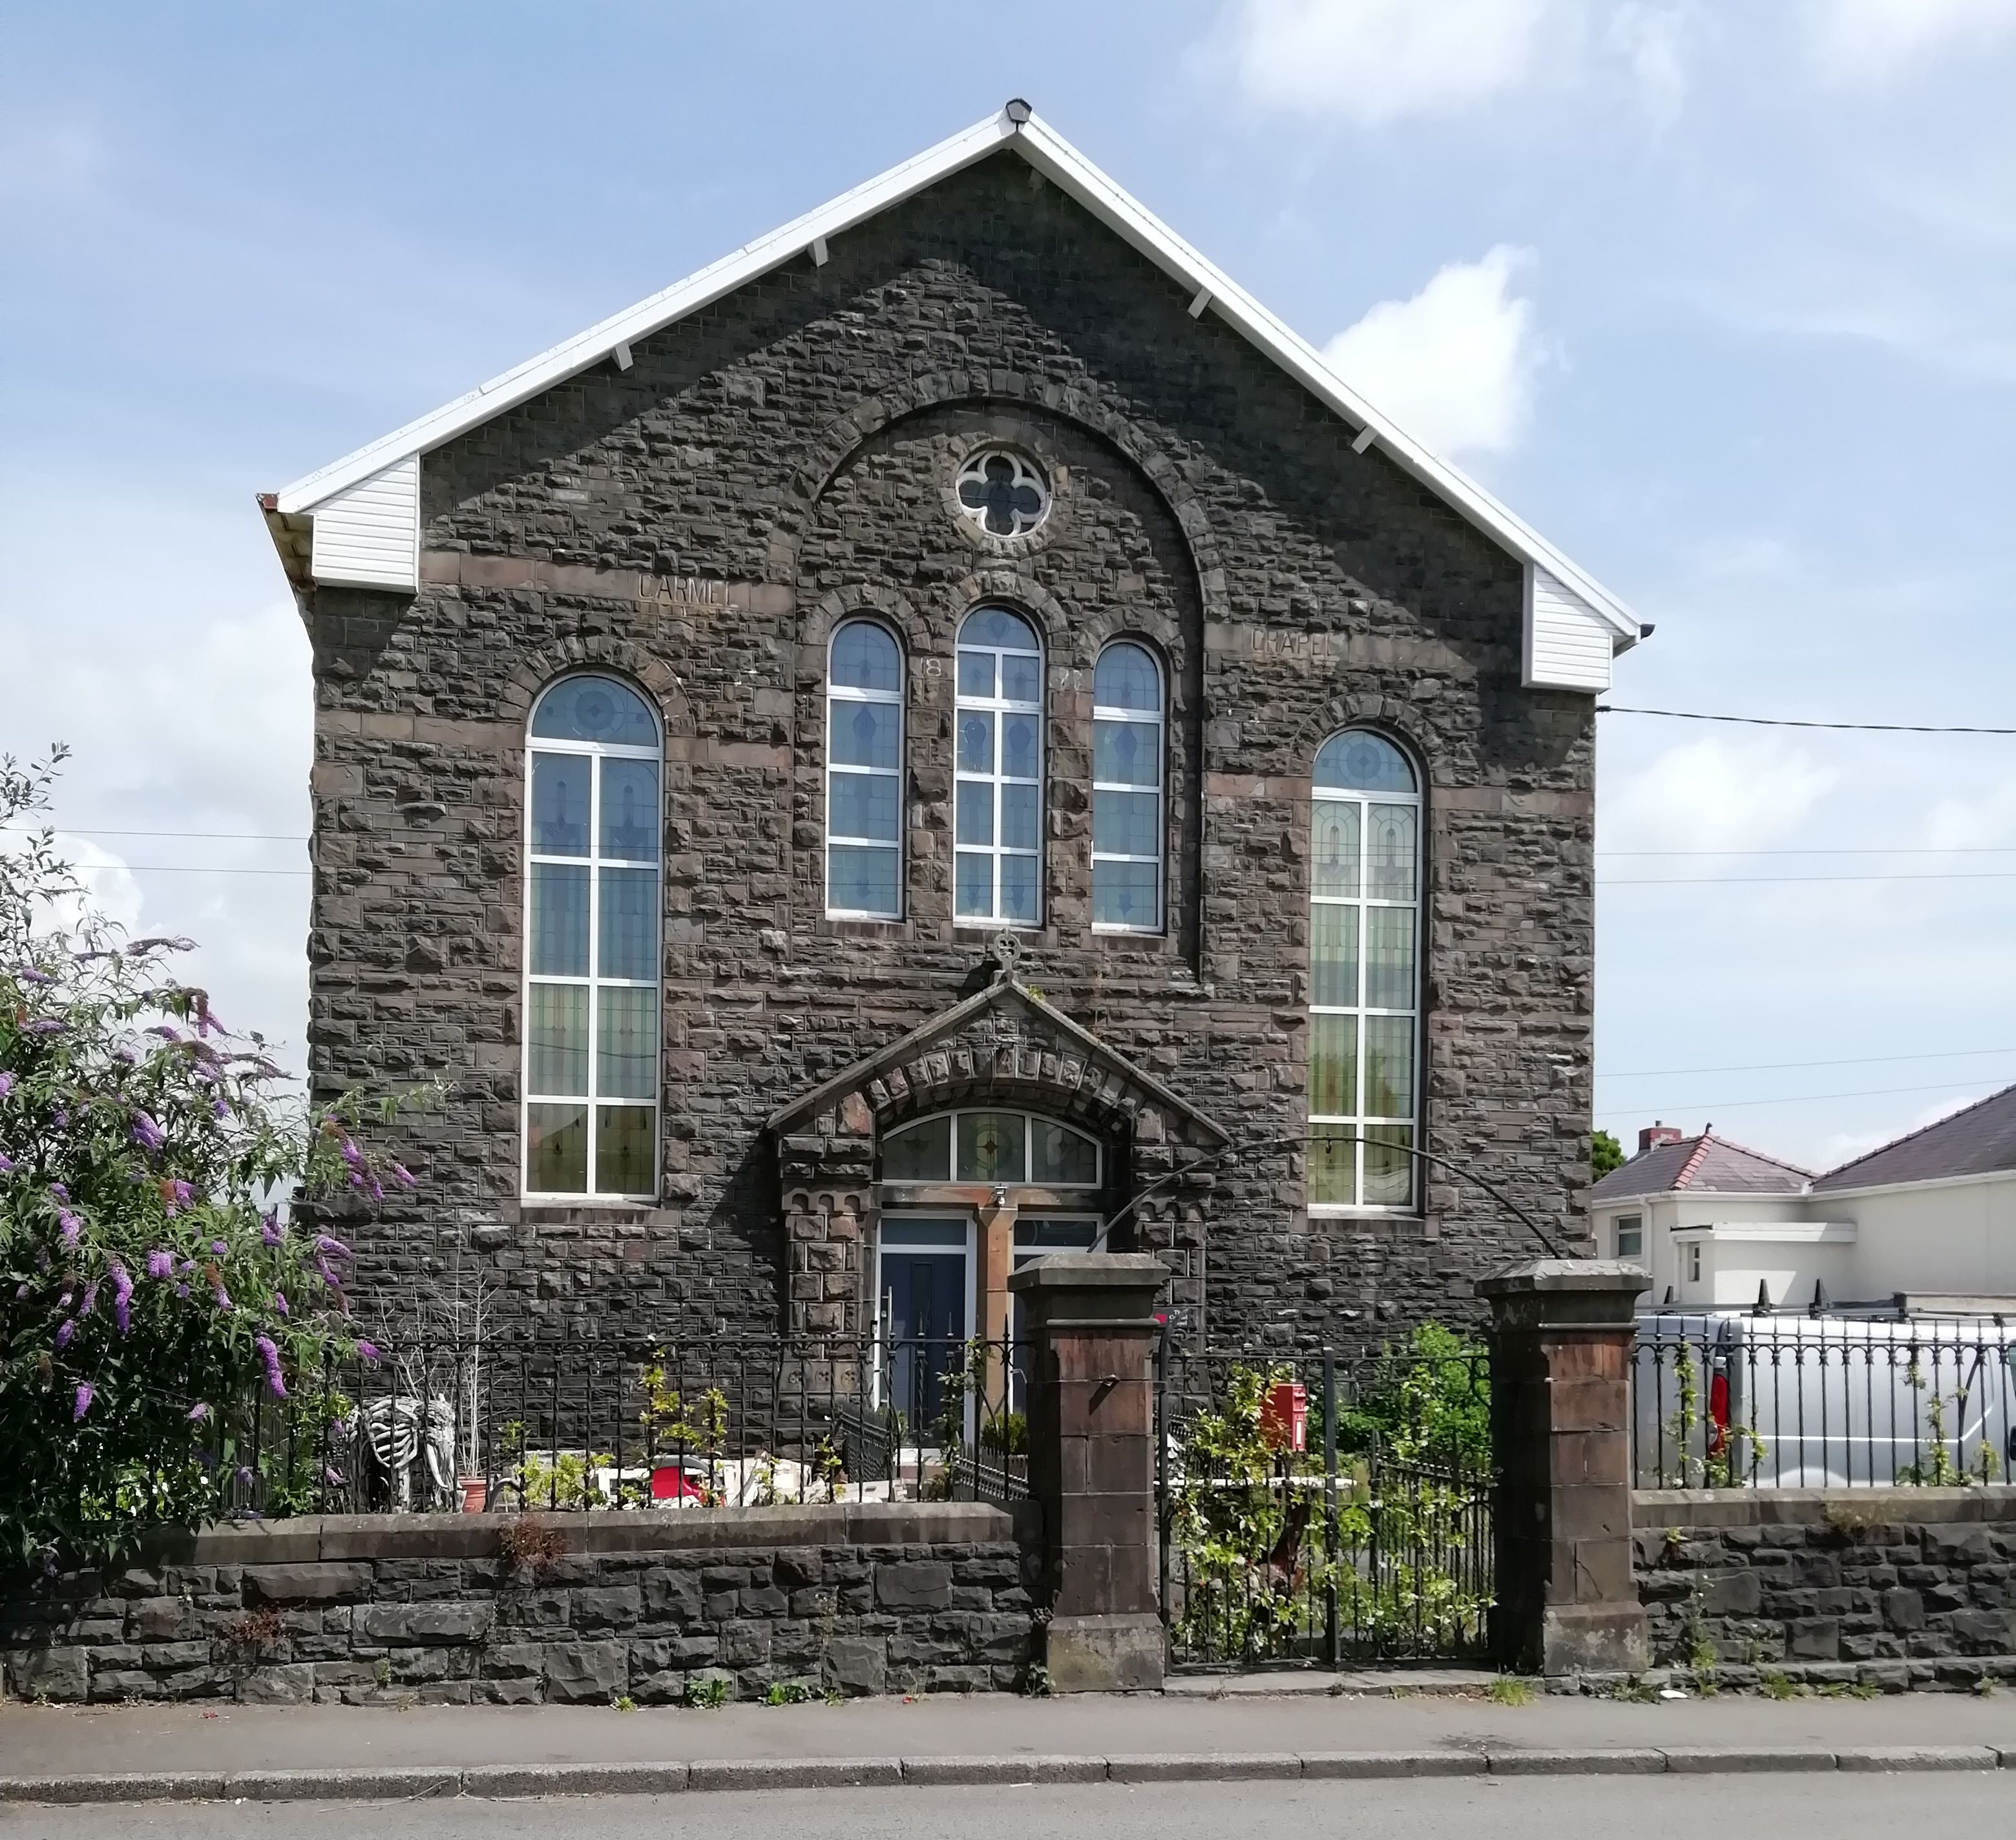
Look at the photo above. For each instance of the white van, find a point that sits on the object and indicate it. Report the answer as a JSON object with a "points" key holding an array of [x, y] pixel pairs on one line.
{"points": [[1731, 1399]]}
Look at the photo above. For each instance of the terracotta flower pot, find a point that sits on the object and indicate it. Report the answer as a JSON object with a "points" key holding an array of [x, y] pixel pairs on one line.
{"points": [[475, 1493]]}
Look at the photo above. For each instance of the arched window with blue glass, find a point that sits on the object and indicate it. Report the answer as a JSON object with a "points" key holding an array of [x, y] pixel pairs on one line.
{"points": [[864, 775], [593, 825], [1364, 1013], [1127, 756], [999, 777]]}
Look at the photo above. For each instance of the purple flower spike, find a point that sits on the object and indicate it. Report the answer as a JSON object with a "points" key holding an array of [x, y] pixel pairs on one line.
{"points": [[146, 1133], [280, 1301], [219, 1110], [216, 1246], [47, 1025], [20, 1292], [6, 1084], [86, 1392], [404, 1176], [270, 1355], [122, 1298], [367, 1352], [198, 1412], [182, 1290], [160, 1264], [73, 1227], [65, 1330], [269, 1229], [223, 1296], [61, 1193], [332, 1476], [28, 974], [326, 1247], [90, 1303], [6, 1164]]}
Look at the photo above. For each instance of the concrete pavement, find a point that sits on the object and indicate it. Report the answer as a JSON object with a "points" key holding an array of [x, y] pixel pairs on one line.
{"points": [[121, 1753]]}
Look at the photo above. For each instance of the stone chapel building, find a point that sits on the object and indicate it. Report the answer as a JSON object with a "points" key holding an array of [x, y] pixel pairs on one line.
{"points": [[948, 727]]}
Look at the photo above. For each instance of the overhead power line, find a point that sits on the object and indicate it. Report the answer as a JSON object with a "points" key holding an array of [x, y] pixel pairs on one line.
{"points": [[1663, 1073], [1787, 721]]}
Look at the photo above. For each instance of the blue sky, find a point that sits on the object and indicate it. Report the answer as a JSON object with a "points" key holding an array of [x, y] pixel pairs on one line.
{"points": [[1721, 296]]}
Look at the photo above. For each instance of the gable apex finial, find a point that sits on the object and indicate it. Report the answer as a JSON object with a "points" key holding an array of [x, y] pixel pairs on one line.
{"points": [[1018, 111]]}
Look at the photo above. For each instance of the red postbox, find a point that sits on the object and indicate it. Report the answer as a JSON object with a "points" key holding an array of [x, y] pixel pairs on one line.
{"points": [[1284, 1416]]}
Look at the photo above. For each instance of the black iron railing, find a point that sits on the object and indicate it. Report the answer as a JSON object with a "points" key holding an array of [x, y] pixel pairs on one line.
{"points": [[582, 1426], [1741, 1400], [1314, 1510]]}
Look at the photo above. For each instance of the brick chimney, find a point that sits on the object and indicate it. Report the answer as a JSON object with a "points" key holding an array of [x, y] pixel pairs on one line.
{"points": [[1652, 1136]]}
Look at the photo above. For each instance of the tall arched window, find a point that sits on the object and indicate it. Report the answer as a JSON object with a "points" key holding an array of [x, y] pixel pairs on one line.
{"points": [[591, 904], [864, 773], [999, 760], [1365, 881], [1126, 790]]}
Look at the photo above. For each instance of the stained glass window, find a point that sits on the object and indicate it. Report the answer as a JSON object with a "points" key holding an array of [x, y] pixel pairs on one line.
{"points": [[1126, 790], [864, 780], [1364, 872], [593, 822]]}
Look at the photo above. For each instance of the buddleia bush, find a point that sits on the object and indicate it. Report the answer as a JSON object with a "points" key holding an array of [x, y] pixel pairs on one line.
{"points": [[168, 1311]]}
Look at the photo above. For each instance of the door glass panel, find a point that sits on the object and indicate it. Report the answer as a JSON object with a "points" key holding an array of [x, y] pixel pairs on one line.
{"points": [[1334, 957], [630, 809], [1389, 958], [1333, 868], [1389, 1067], [626, 1043], [1061, 1158], [559, 1037], [623, 1159], [559, 803], [991, 1147], [557, 1149], [919, 1153], [559, 920], [1332, 1066]]}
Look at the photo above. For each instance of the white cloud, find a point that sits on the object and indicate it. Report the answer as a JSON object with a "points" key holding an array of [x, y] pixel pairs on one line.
{"points": [[1868, 38], [1986, 822], [1375, 61], [1651, 40], [1715, 794], [1454, 365]]}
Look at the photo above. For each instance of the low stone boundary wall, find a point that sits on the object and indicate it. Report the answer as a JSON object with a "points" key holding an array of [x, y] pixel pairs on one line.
{"points": [[1906, 1587], [858, 1598]]}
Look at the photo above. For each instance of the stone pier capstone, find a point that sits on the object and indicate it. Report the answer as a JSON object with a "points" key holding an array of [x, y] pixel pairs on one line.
{"points": [[1091, 1321], [1561, 1429]]}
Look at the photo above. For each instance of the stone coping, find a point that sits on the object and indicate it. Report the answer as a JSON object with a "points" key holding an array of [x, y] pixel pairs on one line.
{"points": [[309, 1538], [1843, 1508]]}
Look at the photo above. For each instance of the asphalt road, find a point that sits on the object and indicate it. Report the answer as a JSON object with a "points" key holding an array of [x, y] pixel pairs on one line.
{"points": [[1787, 1807]]}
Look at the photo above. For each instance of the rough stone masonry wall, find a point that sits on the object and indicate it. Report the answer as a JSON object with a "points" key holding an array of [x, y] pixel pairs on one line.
{"points": [[367, 1610], [701, 521], [1898, 1588]]}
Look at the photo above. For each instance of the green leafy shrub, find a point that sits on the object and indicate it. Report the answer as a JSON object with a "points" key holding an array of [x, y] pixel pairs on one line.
{"points": [[169, 1316]]}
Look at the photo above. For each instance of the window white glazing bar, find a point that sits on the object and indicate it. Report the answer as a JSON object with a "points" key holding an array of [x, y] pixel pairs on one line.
{"points": [[837, 696], [997, 779]]}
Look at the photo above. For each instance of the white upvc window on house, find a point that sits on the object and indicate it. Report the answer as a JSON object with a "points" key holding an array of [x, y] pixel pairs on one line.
{"points": [[864, 775], [592, 825], [1365, 881], [1693, 1262], [998, 779], [1127, 769], [1630, 1235]]}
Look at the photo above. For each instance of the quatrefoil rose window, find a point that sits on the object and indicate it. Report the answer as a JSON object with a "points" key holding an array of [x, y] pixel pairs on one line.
{"points": [[1004, 492]]}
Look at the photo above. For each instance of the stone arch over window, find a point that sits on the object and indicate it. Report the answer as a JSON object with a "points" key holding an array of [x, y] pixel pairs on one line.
{"points": [[1365, 974], [594, 824], [865, 772]]}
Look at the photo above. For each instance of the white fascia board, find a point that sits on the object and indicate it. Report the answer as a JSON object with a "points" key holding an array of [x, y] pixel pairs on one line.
{"points": [[635, 323], [1059, 161], [1823, 1233], [1924, 1185]]}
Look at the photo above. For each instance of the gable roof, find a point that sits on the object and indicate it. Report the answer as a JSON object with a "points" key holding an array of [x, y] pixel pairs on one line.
{"points": [[1705, 1165], [1977, 1140], [383, 471], [1070, 1061]]}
